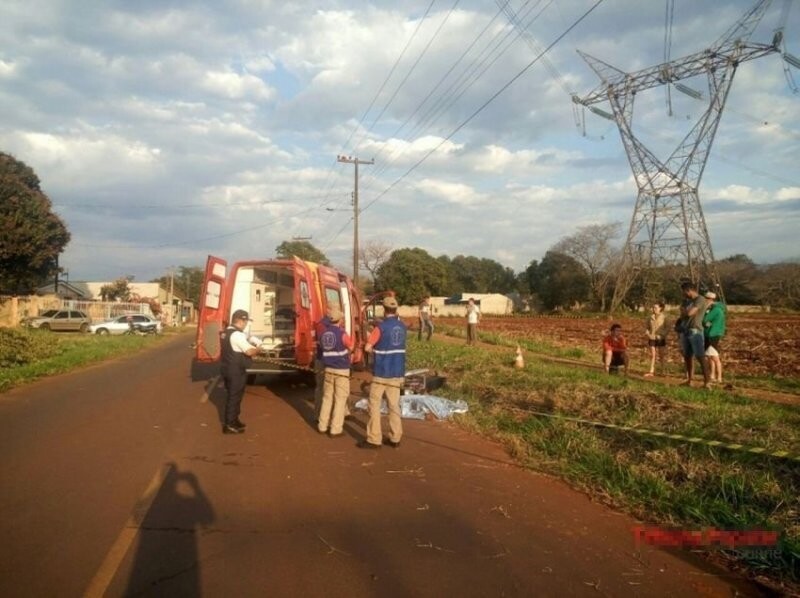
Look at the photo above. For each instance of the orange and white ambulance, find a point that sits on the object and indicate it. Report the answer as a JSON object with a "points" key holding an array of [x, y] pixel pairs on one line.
{"points": [[284, 298]]}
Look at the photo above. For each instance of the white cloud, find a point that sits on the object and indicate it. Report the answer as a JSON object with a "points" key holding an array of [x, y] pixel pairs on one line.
{"points": [[7, 68], [242, 106], [237, 87], [455, 193]]}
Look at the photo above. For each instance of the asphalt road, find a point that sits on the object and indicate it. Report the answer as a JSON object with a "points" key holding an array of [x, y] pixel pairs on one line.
{"points": [[116, 480]]}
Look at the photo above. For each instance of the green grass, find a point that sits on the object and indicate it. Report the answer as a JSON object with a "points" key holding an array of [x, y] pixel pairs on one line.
{"points": [[658, 480], [68, 351]]}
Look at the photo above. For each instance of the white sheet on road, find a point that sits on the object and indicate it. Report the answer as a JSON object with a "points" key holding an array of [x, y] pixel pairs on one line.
{"points": [[417, 406]]}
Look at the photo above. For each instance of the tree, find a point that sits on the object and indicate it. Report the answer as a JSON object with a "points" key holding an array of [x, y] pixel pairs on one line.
{"points": [[302, 249], [372, 255], [779, 286], [412, 274], [592, 246], [561, 281], [118, 290], [31, 235], [739, 276]]}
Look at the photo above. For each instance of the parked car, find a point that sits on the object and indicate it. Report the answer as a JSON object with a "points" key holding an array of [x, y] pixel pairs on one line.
{"points": [[60, 319], [122, 324]]}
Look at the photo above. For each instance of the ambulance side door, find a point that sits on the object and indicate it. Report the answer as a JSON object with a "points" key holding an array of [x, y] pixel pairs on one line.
{"points": [[212, 310], [303, 305]]}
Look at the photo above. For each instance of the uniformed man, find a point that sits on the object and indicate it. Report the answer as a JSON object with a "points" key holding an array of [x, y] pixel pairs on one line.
{"points": [[387, 342], [336, 346], [236, 353]]}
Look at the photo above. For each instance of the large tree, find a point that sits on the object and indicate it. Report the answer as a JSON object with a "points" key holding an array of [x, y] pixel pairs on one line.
{"points": [[560, 280], [412, 274], [481, 275], [31, 235], [302, 249], [739, 277], [593, 247]]}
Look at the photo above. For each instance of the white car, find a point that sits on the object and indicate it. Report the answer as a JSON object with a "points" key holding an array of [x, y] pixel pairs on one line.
{"points": [[121, 324]]}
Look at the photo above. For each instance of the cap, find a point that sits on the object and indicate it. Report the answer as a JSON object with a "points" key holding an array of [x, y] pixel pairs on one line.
{"points": [[334, 314], [390, 302], [711, 295], [240, 314]]}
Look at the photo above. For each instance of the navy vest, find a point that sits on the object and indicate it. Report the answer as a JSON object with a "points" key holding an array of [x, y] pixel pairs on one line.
{"points": [[334, 353], [233, 362], [390, 350]]}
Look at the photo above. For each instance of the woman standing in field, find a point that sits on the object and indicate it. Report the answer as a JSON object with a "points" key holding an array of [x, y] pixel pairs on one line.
{"points": [[657, 331]]}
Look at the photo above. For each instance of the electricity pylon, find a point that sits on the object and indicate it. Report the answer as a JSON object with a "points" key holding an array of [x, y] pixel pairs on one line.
{"points": [[668, 227]]}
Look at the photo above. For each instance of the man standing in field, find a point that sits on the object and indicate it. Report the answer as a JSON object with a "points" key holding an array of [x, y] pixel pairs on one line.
{"points": [[693, 337], [387, 342], [425, 322], [473, 317]]}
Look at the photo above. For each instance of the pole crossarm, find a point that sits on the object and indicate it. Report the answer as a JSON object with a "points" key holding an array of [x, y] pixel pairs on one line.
{"points": [[616, 82]]}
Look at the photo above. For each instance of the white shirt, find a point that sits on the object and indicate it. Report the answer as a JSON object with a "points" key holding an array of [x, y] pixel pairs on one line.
{"points": [[239, 342], [472, 314]]}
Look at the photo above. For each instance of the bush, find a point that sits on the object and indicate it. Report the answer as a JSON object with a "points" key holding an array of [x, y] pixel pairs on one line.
{"points": [[20, 347]]}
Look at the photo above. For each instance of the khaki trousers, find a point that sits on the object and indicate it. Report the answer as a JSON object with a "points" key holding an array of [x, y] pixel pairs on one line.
{"points": [[391, 388], [319, 388], [334, 400]]}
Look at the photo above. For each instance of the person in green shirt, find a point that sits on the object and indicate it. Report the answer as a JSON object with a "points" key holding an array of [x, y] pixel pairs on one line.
{"points": [[714, 330]]}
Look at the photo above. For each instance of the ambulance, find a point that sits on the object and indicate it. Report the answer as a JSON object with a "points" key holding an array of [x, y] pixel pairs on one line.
{"points": [[284, 298]]}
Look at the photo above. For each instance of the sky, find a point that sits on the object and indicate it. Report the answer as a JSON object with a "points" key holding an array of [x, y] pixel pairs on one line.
{"points": [[167, 131]]}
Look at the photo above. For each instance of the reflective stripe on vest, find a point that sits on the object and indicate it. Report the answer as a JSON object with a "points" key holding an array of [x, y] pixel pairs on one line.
{"points": [[334, 354]]}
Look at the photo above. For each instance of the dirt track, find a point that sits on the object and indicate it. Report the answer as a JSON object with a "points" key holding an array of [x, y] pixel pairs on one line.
{"points": [[284, 511]]}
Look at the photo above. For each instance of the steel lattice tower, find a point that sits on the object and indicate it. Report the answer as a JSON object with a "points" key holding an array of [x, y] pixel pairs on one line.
{"points": [[668, 227]]}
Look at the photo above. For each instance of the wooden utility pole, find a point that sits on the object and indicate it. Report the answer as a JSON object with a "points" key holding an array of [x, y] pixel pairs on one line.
{"points": [[356, 162]]}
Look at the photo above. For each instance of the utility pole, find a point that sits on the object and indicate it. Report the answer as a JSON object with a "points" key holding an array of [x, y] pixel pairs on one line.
{"points": [[356, 162], [170, 295]]}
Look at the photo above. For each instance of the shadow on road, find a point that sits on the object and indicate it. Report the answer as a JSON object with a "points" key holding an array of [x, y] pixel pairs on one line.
{"points": [[166, 559]]}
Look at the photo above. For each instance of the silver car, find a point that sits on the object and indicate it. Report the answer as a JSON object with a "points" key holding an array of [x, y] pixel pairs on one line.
{"points": [[60, 319], [122, 324]]}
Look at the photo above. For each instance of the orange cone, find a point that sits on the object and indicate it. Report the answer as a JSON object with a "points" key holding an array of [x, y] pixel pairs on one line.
{"points": [[519, 362]]}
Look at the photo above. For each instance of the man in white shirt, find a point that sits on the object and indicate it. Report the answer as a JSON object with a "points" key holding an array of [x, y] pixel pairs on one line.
{"points": [[473, 317], [236, 353]]}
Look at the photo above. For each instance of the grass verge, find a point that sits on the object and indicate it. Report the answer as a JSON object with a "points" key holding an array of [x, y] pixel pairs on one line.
{"points": [[47, 353], [658, 480]]}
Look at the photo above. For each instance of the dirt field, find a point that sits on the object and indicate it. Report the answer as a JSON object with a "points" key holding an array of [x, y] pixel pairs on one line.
{"points": [[755, 344]]}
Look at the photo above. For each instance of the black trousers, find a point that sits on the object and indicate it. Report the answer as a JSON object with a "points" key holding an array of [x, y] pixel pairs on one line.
{"points": [[235, 384]]}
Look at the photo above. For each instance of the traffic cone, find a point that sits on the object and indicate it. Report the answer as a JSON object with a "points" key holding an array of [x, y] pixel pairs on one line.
{"points": [[519, 362]]}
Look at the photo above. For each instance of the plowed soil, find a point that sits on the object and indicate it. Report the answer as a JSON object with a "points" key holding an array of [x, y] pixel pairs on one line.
{"points": [[755, 344]]}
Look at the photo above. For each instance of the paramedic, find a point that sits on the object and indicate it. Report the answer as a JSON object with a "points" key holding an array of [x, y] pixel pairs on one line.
{"points": [[319, 367], [387, 342], [336, 346], [236, 353]]}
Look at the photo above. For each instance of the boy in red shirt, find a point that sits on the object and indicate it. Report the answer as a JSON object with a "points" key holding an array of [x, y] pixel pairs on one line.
{"points": [[615, 350]]}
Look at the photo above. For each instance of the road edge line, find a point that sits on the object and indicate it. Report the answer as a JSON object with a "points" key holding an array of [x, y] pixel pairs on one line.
{"points": [[108, 569]]}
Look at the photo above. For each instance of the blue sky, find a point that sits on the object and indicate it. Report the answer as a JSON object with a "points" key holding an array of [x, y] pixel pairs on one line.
{"points": [[166, 131]]}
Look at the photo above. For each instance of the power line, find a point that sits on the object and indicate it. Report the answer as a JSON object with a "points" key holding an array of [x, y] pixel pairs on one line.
{"points": [[408, 74], [328, 181], [127, 206], [468, 77], [481, 108]]}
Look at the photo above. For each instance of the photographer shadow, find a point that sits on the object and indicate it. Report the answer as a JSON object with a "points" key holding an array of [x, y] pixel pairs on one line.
{"points": [[166, 558]]}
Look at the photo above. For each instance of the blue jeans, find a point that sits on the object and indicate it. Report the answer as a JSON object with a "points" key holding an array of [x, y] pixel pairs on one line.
{"points": [[694, 343]]}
